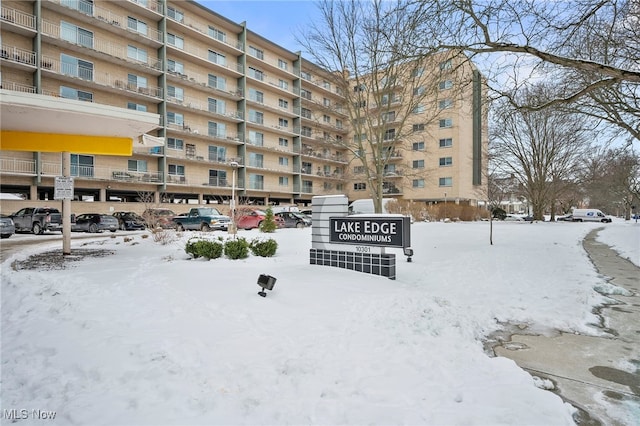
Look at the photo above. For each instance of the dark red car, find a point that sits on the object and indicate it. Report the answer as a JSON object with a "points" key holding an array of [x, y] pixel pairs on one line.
{"points": [[252, 218]]}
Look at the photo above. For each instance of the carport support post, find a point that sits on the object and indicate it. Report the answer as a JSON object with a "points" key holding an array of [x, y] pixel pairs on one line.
{"points": [[66, 207]]}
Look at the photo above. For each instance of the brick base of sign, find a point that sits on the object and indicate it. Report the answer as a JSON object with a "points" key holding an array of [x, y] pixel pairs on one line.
{"points": [[376, 264]]}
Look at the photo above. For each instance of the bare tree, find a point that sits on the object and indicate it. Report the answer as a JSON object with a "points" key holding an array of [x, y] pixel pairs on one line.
{"points": [[387, 89], [541, 149], [591, 45], [612, 180]]}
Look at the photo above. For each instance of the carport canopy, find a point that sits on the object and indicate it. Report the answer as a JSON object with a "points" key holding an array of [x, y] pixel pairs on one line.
{"points": [[40, 123]]}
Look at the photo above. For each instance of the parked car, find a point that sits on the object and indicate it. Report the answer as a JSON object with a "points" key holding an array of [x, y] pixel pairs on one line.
{"points": [[513, 218], [565, 218], [37, 219], [202, 219], [252, 218], [590, 215], [129, 221], [94, 222], [7, 227], [159, 217], [294, 220]]}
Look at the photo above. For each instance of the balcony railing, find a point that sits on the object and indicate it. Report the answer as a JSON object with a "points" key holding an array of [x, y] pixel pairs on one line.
{"points": [[109, 17], [16, 54], [18, 17], [203, 80], [194, 103], [204, 55], [236, 44], [99, 45]]}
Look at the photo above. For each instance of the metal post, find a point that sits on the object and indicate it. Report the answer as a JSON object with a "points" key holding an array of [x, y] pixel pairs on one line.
{"points": [[66, 207], [445, 205], [233, 229]]}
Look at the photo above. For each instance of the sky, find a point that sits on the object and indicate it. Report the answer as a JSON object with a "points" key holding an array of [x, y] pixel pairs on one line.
{"points": [[148, 336], [276, 21]]}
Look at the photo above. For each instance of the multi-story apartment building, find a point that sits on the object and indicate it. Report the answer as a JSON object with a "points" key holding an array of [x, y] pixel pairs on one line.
{"points": [[231, 103]]}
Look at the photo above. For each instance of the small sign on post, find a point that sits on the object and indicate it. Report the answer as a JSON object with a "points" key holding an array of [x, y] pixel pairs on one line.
{"points": [[63, 188]]}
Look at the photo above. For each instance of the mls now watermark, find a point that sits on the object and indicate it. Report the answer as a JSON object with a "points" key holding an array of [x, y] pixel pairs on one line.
{"points": [[24, 414]]}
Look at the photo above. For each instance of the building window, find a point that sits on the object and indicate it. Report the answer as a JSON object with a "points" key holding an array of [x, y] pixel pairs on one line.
{"points": [[85, 6], [446, 123], [326, 84], [217, 82], [81, 165], [76, 35], [136, 81], [176, 170], [445, 181], [283, 161], [217, 58], [136, 107], [256, 116], [305, 94], [306, 113], [418, 164], [445, 104], [358, 169], [446, 161], [136, 25], [338, 123], [256, 138], [419, 109], [283, 181], [417, 72], [217, 177], [136, 53], [217, 106], [419, 91], [359, 186], [283, 122], [256, 160], [388, 117], [446, 65], [283, 84], [175, 66], [418, 183], [76, 67], [136, 165], [418, 146], [326, 119], [177, 144], [175, 118], [389, 134], [305, 75], [175, 41], [446, 143], [175, 14], [256, 73], [256, 53], [359, 88], [283, 104], [306, 167], [326, 102], [256, 181], [217, 130], [256, 96], [217, 34], [282, 64], [217, 153], [418, 127], [307, 187], [176, 93], [445, 85], [79, 95], [283, 142]]}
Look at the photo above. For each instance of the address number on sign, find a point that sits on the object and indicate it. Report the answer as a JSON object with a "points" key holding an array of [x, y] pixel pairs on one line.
{"points": [[363, 249]]}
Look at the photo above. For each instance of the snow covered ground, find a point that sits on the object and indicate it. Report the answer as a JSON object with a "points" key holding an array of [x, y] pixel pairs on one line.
{"points": [[148, 337]]}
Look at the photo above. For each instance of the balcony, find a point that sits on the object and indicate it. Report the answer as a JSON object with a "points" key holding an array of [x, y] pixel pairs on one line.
{"points": [[197, 104], [20, 22], [21, 57], [99, 45], [203, 55], [199, 81], [189, 23]]}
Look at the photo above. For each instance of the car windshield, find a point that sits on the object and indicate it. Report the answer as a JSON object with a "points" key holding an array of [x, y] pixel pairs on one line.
{"points": [[260, 212], [209, 211]]}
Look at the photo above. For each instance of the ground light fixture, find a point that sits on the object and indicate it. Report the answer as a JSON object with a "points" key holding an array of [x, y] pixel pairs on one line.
{"points": [[408, 251], [266, 282]]}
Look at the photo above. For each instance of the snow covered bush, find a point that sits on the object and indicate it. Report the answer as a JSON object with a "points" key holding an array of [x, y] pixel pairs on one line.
{"points": [[197, 247], [236, 249], [263, 248]]}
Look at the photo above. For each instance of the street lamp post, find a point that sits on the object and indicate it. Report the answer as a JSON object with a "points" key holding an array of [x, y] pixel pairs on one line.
{"points": [[233, 229], [445, 205]]}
